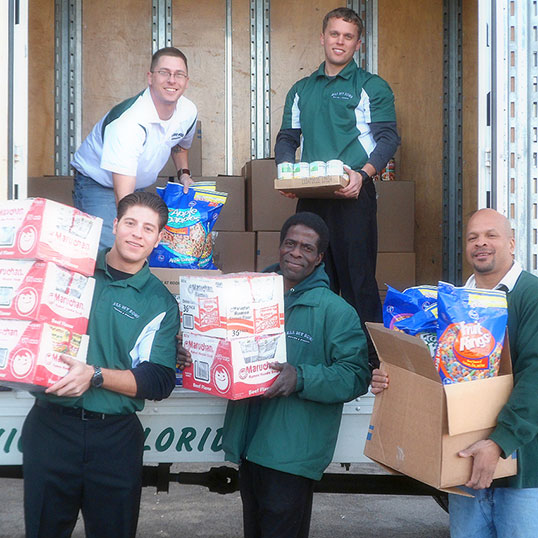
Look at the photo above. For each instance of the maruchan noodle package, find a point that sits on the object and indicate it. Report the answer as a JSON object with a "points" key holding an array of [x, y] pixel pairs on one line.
{"points": [[45, 292], [412, 311], [36, 228], [186, 242], [472, 324], [30, 353]]}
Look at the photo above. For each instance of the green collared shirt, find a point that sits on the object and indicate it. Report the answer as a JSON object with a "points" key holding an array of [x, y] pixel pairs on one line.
{"points": [[334, 114]]}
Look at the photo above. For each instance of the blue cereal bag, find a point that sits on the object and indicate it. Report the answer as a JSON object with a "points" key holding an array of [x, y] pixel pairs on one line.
{"points": [[472, 324], [412, 310], [186, 241]]}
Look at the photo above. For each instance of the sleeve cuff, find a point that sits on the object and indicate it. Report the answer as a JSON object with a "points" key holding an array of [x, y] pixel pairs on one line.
{"points": [[300, 380], [505, 439]]}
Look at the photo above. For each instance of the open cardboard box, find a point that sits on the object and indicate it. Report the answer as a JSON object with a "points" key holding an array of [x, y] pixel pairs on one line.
{"points": [[312, 187], [419, 425]]}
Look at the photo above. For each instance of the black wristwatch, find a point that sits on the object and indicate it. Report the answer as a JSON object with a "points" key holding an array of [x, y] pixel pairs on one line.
{"points": [[97, 378], [182, 171], [365, 176]]}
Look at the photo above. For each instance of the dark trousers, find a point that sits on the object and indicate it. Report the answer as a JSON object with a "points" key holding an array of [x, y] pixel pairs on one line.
{"points": [[351, 258], [275, 504], [71, 464]]}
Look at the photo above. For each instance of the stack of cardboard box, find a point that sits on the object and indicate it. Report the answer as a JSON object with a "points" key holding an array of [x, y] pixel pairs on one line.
{"points": [[396, 235], [47, 254]]}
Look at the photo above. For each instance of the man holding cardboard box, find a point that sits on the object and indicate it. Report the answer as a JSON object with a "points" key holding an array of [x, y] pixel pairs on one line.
{"points": [[507, 507], [82, 441], [284, 440], [342, 112], [129, 146]]}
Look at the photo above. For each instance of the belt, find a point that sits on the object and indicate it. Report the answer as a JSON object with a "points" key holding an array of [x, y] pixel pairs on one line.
{"points": [[78, 412]]}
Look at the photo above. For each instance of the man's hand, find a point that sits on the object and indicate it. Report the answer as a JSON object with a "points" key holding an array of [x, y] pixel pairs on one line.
{"points": [[354, 186], [485, 454], [380, 381], [286, 381], [183, 357], [288, 194], [76, 381], [186, 181]]}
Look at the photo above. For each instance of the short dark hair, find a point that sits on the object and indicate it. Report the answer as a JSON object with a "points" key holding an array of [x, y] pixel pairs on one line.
{"points": [[167, 51], [312, 221], [345, 13], [144, 199]]}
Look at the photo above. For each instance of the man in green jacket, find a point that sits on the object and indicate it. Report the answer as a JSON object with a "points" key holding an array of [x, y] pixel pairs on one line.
{"points": [[284, 440], [507, 507]]}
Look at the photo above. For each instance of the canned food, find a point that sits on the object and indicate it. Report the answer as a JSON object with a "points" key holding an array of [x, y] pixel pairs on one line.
{"points": [[335, 167], [318, 169], [301, 170], [284, 171]]}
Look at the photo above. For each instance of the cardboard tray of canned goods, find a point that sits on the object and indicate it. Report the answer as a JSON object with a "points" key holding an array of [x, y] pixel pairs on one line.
{"points": [[312, 187]]}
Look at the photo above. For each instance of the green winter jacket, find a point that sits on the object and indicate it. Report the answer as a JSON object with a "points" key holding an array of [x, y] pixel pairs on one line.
{"points": [[517, 423], [297, 434]]}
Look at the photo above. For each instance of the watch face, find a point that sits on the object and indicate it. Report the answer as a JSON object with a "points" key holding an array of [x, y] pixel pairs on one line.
{"points": [[97, 379]]}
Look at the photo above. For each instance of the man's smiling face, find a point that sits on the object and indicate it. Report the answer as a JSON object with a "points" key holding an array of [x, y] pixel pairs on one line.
{"points": [[340, 41], [167, 89]]}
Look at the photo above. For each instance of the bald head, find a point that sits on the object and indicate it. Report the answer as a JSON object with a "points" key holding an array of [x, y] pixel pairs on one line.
{"points": [[489, 246]]}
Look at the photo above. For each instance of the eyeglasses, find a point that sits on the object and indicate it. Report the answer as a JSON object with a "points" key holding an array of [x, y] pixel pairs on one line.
{"points": [[178, 76]]}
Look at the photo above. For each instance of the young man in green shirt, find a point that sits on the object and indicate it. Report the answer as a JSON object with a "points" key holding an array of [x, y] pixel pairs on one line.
{"points": [[82, 441], [343, 112], [506, 507]]}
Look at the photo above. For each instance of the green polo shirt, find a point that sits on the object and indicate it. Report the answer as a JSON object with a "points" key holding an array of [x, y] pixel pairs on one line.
{"points": [[334, 114], [131, 320]]}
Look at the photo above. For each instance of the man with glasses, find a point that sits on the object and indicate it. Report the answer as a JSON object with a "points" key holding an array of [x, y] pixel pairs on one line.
{"points": [[129, 146]]}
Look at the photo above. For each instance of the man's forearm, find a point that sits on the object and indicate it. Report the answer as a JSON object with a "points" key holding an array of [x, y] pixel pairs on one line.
{"points": [[387, 141], [180, 156], [287, 142], [121, 381], [123, 185]]}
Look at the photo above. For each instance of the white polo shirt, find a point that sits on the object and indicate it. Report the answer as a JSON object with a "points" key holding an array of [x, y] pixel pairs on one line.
{"points": [[132, 140]]}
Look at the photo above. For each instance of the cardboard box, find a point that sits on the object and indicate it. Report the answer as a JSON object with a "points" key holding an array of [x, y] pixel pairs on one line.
{"points": [[232, 215], [419, 425], [57, 188], [30, 353], [169, 276], [395, 216], [312, 187], [267, 209], [195, 157], [232, 306], [234, 252], [41, 229], [232, 369], [397, 269], [267, 246], [44, 292]]}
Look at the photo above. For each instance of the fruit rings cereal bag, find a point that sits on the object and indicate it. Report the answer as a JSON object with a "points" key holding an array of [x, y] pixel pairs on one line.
{"points": [[401, 305], [470, 336], [186, 241]]}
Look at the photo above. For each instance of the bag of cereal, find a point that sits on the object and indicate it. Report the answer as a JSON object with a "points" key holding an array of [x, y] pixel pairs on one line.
{"points": [[472, 324]]}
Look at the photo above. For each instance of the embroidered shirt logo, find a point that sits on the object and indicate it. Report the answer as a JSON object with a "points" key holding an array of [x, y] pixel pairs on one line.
{"points": [[342, 95], [177, 136], [124, 310], [300, 335]]}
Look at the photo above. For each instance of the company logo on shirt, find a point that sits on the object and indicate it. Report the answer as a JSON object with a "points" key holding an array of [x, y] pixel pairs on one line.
{"points": [[342, 95], [124, 310], [177, 136], [300, 335]]}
